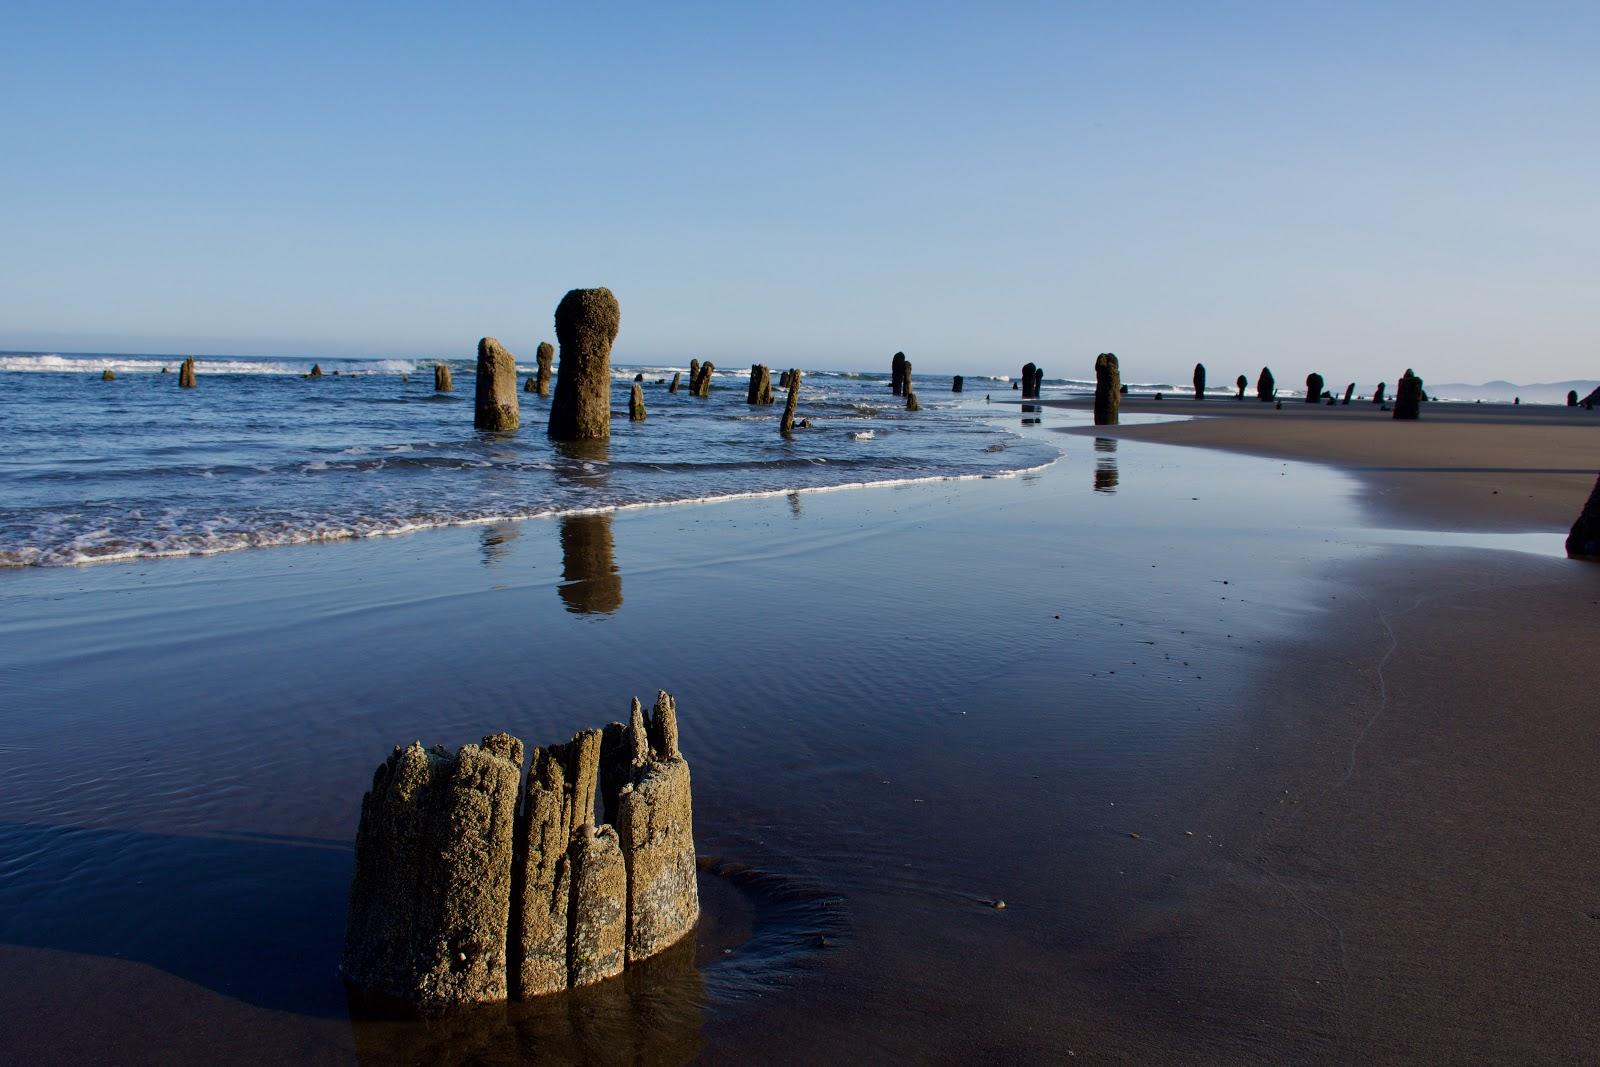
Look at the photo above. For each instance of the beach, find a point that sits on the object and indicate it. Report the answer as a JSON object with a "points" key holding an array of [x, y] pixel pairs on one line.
{"points": [[1253, 766]]}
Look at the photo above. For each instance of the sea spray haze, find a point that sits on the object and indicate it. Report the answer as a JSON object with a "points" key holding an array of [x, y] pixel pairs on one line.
{"points": [[262, 455]]}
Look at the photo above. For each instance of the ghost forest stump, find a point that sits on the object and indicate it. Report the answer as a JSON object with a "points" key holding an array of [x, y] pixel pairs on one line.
{"points": [[474, 885]]}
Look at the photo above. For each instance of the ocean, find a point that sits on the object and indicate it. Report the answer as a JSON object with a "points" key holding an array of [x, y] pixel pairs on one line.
{"points": [[260, 455]]}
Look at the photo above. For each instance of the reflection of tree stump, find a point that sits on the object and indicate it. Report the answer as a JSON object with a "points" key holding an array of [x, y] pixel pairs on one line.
{"points": [[590, 582]]}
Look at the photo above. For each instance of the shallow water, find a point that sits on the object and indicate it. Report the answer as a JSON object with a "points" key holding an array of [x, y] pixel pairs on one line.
{"points": [[259, 455], [906, 702]]}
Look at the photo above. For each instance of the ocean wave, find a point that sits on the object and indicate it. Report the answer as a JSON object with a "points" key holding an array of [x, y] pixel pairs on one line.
{"points": [[52, 363], [99, 546]]}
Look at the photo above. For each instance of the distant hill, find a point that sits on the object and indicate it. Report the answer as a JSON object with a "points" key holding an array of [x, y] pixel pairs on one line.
{"points": [[1537, 393]]}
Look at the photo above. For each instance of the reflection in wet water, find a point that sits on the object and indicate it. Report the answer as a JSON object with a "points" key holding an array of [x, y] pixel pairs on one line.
{"points": [[651, 1013], [583, 462], [497, 541], [590, 581], [794, 504], [1031, 409], [1105, 465]]}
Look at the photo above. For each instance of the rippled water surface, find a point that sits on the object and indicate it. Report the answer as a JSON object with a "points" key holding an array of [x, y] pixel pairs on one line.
{"points": [[258, 454]]}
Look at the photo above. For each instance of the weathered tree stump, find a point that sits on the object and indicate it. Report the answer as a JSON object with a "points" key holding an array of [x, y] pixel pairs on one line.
{"points": [[1242, 383], [1408, 396], [1349, 391], [587, 321], [956, 383], [544, 359], [1107, 390], [1377, 394], [108, 375], [495, 389], [897, 374], [1313, 388], [442, 382], [760, 390], [186, 378], [673, 388], [1584, 540], [1027, 381], [1266, 386], [430, 907], [786, 424], [911, 393], [463, 896], [636, 403], [1199, 381], [316, 371]]}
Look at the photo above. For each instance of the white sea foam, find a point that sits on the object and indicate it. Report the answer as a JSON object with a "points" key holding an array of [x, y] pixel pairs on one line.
{"points": [[58, 364], [89, 547]]}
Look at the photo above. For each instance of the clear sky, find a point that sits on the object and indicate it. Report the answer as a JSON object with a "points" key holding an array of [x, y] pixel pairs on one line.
{"points": [[1346, 187]]}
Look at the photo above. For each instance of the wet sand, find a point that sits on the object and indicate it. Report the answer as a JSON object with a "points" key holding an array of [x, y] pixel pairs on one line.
{"points": [[1254, 786], [1460, 467]]}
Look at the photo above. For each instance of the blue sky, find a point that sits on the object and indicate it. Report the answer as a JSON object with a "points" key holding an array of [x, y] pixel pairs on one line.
{"points": [[1347, 188]]}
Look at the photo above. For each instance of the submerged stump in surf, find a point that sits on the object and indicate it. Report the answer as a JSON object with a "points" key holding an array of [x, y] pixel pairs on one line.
{"points": [[442, 382], [465, 893], [897, 374], [786, 424], [495, 389], [673, 388], [1377, 394], [1313, 388], [1038, 382], [1266, 386], [1027, 381], [700, 384], [316, 371], [186, 374], [1242, 383], [1107, 390], [636, 403], [1584, 540], [760, 391], [1572, 398], [544, 359], [694, 375], [911, 393], [108, 375], [956, 383], [1408, 396], [587, 321], [1349, 391], [1199, 381]]}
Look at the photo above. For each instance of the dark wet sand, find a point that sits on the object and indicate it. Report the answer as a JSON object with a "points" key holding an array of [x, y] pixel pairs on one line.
{"points": [[1495, 467], [1254, 789]]}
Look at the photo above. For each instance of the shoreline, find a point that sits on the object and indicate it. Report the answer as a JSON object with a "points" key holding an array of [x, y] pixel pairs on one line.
{"points": [[1086, 703], [1461, 467]]}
